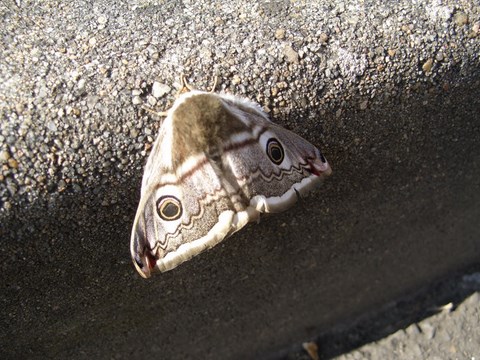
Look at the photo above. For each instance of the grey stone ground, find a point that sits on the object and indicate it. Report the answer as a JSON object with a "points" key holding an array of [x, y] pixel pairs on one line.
{"points": [[389, 91], [444, 336], [444, 326]]}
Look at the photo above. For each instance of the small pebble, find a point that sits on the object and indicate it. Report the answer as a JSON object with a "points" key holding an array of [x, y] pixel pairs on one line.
{"points": [[12, 188], [136, 100], [413, 330], [151, 100], [81, 84], [159, 90], [62, 185], [52, 126], [427, 66], [133, 133], [290, 54], [4, 156], [476, 28], [13, 163], [428, 330], [102, 20], [280, 34], [75, 144], [236, 79], [461, 18]]}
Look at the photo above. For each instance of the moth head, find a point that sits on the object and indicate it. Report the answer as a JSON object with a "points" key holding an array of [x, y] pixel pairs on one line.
{"points": [[158, 218]]}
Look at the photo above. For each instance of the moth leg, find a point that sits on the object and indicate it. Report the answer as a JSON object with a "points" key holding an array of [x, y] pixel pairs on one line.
{"points": [[214, 84], [299, 197]]}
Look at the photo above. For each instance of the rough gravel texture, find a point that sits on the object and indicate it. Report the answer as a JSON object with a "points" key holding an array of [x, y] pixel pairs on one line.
{"points": [[390, 93]]}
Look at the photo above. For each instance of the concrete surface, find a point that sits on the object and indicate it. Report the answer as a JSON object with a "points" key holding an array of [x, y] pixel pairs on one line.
{"points": [[390, 93]]}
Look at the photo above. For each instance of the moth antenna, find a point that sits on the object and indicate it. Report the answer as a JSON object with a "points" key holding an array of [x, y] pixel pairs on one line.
{"points": [[185, 85], [188, 87], [158, 113]]}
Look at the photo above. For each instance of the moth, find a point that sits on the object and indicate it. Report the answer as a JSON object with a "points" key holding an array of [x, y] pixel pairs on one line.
{"points": [[217, 164]]}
